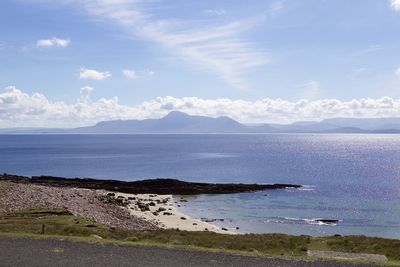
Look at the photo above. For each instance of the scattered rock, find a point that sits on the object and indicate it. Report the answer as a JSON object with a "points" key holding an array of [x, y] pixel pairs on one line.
{"points": [[143, 206], [212, 220]]}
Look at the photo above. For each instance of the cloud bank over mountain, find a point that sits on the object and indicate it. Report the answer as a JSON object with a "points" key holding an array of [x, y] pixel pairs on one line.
{"points": [[20, 109]]}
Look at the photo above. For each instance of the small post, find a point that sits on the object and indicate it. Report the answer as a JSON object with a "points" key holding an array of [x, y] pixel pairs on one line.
{"points": [[43, 229]]}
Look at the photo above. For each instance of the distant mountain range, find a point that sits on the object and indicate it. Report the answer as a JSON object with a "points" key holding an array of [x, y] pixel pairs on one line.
{"points": [[179, 123]]}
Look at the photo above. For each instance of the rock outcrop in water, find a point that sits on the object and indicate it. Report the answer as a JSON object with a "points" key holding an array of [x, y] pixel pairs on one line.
{"points": [[153, 186], [327, 221]]}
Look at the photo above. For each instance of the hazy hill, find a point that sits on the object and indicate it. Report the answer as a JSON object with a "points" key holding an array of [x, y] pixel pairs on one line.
{"points": [[179, 122], [174, 122]]}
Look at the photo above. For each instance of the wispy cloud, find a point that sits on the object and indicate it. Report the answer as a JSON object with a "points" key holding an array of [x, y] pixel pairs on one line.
{"points": [[395, 4], [131, 74], [134, 74], [53, 42], [368, 50], [215, 12], [216, 47], [311, 90], [397, 72], [93, 74], [277, 7], [358, 72]]}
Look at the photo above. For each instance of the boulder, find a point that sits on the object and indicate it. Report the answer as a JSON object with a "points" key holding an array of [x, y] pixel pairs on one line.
{"points": [[327, 221]]}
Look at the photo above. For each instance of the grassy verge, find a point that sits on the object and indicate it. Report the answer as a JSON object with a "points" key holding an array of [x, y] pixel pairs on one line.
{"points": [[46, 222], [359, 244]]}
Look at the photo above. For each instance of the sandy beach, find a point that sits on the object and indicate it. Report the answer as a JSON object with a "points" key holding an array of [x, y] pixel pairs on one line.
{"points": [[161, 210]]}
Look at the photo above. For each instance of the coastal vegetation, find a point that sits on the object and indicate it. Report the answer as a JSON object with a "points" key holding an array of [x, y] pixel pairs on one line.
{"points": [[43, 222]]}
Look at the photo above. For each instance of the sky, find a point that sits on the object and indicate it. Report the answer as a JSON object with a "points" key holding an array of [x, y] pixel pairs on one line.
{"points": [[69, 63]]}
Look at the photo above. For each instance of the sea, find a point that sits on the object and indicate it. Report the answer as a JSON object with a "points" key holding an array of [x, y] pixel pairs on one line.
{"points": [[352, 178]]}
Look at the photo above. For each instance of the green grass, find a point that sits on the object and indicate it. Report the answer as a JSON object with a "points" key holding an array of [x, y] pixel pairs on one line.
{"points": [[360, 244], [3, 184], [61, 224]]}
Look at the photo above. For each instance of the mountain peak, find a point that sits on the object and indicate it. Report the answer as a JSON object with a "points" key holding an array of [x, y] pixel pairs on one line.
{"points": [[176, 114]]}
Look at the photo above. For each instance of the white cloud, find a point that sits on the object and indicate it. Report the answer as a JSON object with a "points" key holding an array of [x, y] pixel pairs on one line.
{"points": [[209, 44], [93, 74], [85, 94], [19, 109], [133, 74], [215, 12], [395, 4], [53, 42]]}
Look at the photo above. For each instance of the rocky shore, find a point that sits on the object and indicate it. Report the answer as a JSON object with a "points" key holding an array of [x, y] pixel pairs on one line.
{"points": [[139, 205], [153, 186], [80, 202]]}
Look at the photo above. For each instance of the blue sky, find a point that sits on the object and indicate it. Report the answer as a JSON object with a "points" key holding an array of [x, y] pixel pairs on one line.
{"points": [[122, 59]]}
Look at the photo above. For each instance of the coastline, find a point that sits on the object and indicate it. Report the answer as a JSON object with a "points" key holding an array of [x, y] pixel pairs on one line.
{"points": [[101, 215], [149, 203], [165, 214], [134, 211], [113, 209], [161, 186]]}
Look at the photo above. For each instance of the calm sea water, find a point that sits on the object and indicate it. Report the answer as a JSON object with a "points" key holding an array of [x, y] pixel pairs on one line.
{"points": [[353, 178]]}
